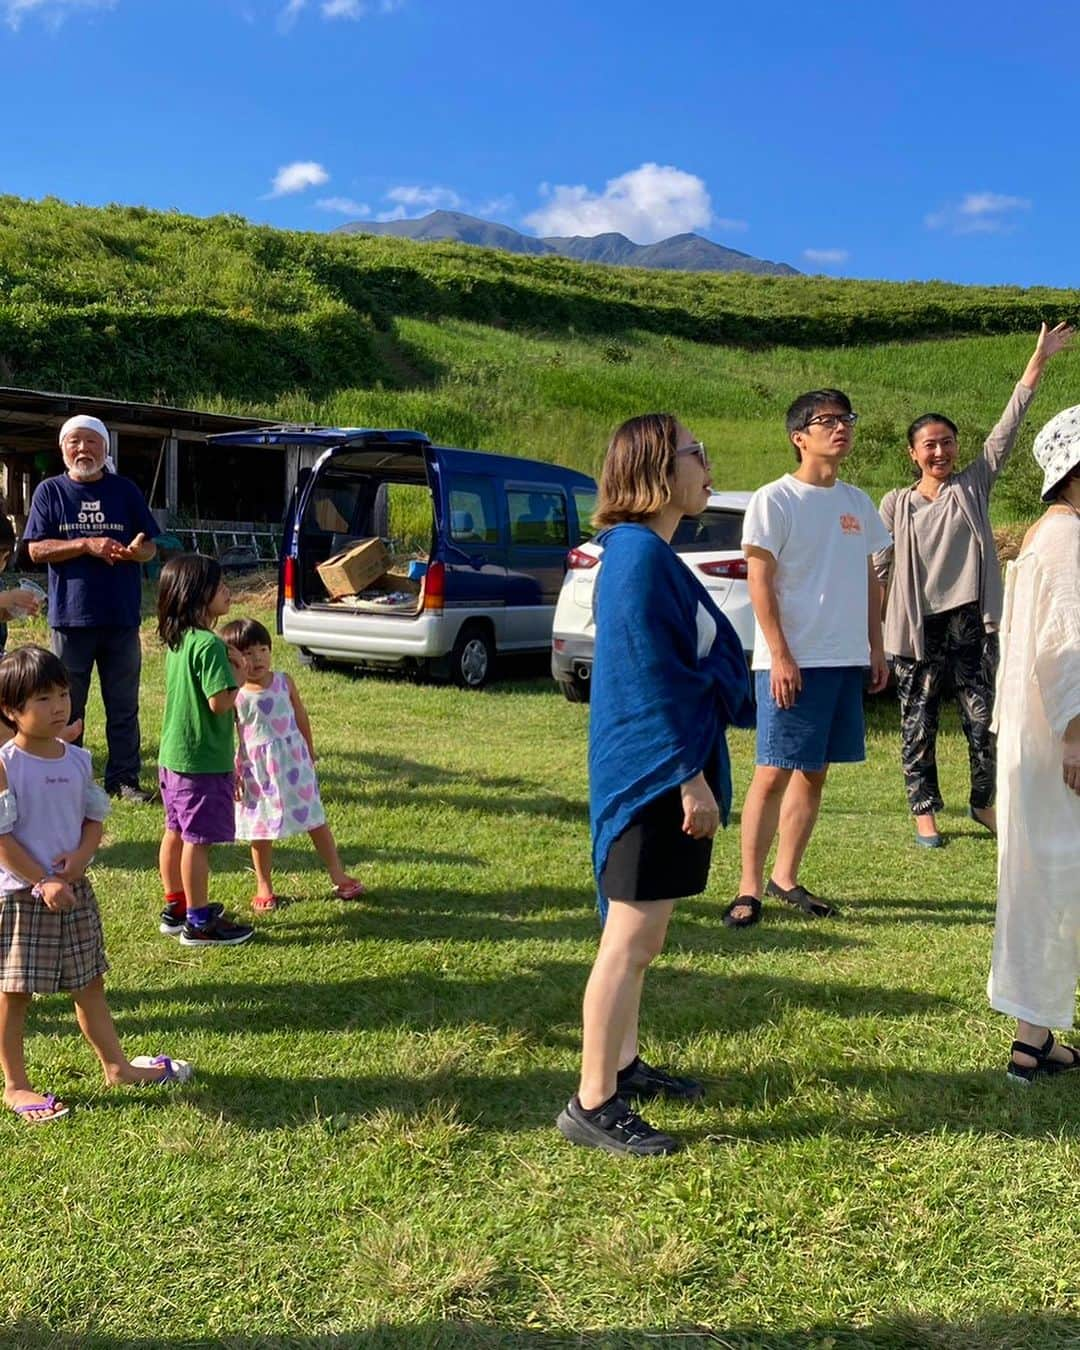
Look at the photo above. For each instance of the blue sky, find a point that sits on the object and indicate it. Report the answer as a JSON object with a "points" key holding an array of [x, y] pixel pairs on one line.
{"points": [[903, 139]]}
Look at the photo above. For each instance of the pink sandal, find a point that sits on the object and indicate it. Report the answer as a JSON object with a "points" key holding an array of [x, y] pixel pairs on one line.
{"points": [[350, 890], [262, 904]]}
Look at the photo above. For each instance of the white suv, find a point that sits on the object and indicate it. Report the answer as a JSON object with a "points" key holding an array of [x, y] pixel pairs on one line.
{"points": [[709, 545]]}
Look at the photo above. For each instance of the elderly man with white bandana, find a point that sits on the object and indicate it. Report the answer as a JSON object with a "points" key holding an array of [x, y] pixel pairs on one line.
{"points": [[92, 528]]}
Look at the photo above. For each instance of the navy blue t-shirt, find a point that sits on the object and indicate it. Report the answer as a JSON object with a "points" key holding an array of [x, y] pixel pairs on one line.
{"points": [[86, 592]]}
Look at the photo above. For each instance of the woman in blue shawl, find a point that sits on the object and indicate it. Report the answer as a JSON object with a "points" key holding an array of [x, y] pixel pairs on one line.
{"points": [[669, 675]]}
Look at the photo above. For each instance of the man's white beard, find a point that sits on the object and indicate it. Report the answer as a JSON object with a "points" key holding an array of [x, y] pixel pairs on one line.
{"points": [[82, 475]]}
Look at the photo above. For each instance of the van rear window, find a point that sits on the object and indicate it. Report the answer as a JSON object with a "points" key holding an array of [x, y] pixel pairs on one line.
{"points": [[711, 532], [537, 518]]}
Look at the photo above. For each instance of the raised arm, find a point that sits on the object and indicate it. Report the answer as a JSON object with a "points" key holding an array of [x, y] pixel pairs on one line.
{"points": [[999, 443]]}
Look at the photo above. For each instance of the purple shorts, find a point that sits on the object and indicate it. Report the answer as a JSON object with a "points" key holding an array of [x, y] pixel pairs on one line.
{"points": [[199, 807]]}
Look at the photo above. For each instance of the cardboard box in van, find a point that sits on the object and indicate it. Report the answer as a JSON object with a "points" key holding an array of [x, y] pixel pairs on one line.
{"points": [[354, 568]]}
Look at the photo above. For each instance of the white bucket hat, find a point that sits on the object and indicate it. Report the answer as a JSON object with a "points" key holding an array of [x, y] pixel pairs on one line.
{"points": [[1057, 448]]}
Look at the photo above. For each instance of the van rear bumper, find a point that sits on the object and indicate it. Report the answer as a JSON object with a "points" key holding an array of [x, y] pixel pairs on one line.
{"points": [[383, 638]]}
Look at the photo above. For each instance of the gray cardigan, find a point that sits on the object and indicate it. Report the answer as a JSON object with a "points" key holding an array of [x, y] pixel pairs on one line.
{"points": [[970, 492]]}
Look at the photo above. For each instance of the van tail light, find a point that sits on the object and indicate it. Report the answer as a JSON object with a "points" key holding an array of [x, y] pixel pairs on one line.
{"points": [[734, 569], [434, 586], [288, 579], [577, 559]]}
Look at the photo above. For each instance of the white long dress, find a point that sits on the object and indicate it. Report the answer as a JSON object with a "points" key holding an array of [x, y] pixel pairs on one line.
{"points": [[1036, 959]]}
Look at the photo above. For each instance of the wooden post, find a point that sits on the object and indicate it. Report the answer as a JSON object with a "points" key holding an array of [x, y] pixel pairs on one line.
{"points": [[172, 478]]}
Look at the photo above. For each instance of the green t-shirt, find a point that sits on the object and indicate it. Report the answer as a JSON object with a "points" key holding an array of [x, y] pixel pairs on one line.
{"points": [[194, 739]]}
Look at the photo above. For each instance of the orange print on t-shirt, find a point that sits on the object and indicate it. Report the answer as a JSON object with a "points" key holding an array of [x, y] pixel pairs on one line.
{"points": [[850, 524]]}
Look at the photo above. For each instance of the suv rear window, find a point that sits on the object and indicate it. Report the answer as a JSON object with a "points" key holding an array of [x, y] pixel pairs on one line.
{"points": [[711, 532]]}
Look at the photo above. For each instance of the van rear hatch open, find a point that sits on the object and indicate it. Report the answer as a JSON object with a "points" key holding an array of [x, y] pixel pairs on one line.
{"points": [[354, 484]]}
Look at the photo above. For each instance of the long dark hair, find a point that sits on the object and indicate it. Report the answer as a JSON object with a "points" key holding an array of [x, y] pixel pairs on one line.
{"points": [[188, 583]]}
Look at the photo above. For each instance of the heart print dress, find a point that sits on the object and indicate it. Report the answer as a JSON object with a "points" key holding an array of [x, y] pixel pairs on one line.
{"points": [[280, 791]]}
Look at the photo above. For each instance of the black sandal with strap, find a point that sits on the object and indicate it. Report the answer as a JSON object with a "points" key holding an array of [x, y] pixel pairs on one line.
{"points": [[1025, 1074], [801, 898], [750, 902]]}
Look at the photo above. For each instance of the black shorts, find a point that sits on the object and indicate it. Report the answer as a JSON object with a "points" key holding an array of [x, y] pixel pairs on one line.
{"points": [[653, 860]]}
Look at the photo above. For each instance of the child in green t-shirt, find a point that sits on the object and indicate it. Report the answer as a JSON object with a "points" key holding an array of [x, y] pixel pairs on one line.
{"points": [[196, 771]]}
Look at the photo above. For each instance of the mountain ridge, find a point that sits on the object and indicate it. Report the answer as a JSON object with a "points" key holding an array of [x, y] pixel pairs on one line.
{"points": [[686, 252]]}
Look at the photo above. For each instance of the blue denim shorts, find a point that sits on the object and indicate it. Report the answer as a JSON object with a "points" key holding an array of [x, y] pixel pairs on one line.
{"points": [[825, 726]]}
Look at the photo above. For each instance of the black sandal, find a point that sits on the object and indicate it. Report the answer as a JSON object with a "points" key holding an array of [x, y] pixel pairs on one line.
{"points": [[750, 902], [1025, 1074], [803, 899]]}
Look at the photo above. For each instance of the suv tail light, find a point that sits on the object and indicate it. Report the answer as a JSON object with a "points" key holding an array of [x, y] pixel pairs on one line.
{"points": [[434, 585], [577, 559], [288, 578], [734, 569]]}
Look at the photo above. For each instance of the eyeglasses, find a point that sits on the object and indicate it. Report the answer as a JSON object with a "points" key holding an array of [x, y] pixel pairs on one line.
{"points": [[831, 420], [698, 448]]}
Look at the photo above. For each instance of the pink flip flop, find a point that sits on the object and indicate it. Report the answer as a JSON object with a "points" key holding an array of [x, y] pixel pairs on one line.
{"points": [[351, 891]]}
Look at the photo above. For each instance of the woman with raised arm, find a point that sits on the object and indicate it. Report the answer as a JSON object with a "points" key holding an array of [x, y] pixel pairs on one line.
{"points": [[944, 598], [669, 675], [1037, 933]]}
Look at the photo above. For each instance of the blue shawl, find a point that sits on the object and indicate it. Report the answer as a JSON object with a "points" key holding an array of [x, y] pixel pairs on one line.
{"points": [[658, 711]]}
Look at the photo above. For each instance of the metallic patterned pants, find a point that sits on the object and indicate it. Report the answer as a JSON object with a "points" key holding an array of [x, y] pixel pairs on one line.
{"points": [[960, 658]]}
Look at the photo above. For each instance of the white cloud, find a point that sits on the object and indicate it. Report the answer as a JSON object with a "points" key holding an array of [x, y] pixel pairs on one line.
{"points": [[336, 9], [649, 203], [398, 213], [298, 177], [979, 213], [53, 12], [430, 197], [344, 206], [827, 256]]}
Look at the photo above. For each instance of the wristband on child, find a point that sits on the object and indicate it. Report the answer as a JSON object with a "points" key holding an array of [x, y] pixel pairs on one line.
{"points": [[36, 890]]}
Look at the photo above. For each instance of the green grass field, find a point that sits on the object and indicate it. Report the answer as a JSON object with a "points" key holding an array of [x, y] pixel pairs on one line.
{"points": [[367, 1155], [494, 351], [559, 399]]}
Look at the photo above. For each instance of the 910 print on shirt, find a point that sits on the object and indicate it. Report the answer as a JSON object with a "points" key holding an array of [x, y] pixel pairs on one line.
{"points": [[90, 518]]}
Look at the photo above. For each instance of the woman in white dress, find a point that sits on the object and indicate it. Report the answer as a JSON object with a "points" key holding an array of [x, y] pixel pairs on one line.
{"points": [[1036, 961]]}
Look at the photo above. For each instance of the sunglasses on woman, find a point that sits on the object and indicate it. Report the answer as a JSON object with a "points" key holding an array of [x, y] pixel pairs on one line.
{"points": [[698, 448]]}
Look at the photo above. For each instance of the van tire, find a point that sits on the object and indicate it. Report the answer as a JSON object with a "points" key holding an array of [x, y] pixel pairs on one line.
{"points": [[472, 660]]}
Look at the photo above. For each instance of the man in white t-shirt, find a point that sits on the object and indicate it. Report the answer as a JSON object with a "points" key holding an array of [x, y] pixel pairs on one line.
{"points": [[808, 539]]}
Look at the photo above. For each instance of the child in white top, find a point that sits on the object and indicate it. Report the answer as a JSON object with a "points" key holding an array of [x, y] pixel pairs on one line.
{"points": [[51, 814], [277, 793]]}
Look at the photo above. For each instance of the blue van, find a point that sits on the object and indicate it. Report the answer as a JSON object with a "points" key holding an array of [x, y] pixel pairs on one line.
{"points": [[477, 541]]}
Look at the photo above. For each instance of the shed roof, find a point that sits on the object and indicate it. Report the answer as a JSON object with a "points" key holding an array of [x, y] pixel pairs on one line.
{"points": [[29, 417]]}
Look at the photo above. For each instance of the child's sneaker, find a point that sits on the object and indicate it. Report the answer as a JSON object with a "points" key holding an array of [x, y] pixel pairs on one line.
{"points": [[174, 917], [219, 932]]}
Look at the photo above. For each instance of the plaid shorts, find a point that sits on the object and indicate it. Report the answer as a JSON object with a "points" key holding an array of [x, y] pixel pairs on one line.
{"points": [[41, 951]]}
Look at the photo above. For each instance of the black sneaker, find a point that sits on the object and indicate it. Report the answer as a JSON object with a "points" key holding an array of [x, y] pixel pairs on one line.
{"points": [[131, 792], [219, 932], [641, 1080], [173, 919], [615, 1128]]}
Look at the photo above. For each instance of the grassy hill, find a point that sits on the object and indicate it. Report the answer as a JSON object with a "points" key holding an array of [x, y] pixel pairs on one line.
{"points": [[487, 349]]}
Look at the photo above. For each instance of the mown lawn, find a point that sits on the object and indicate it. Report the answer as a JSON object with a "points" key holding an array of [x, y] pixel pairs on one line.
{"points": [[367, 1155]]}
